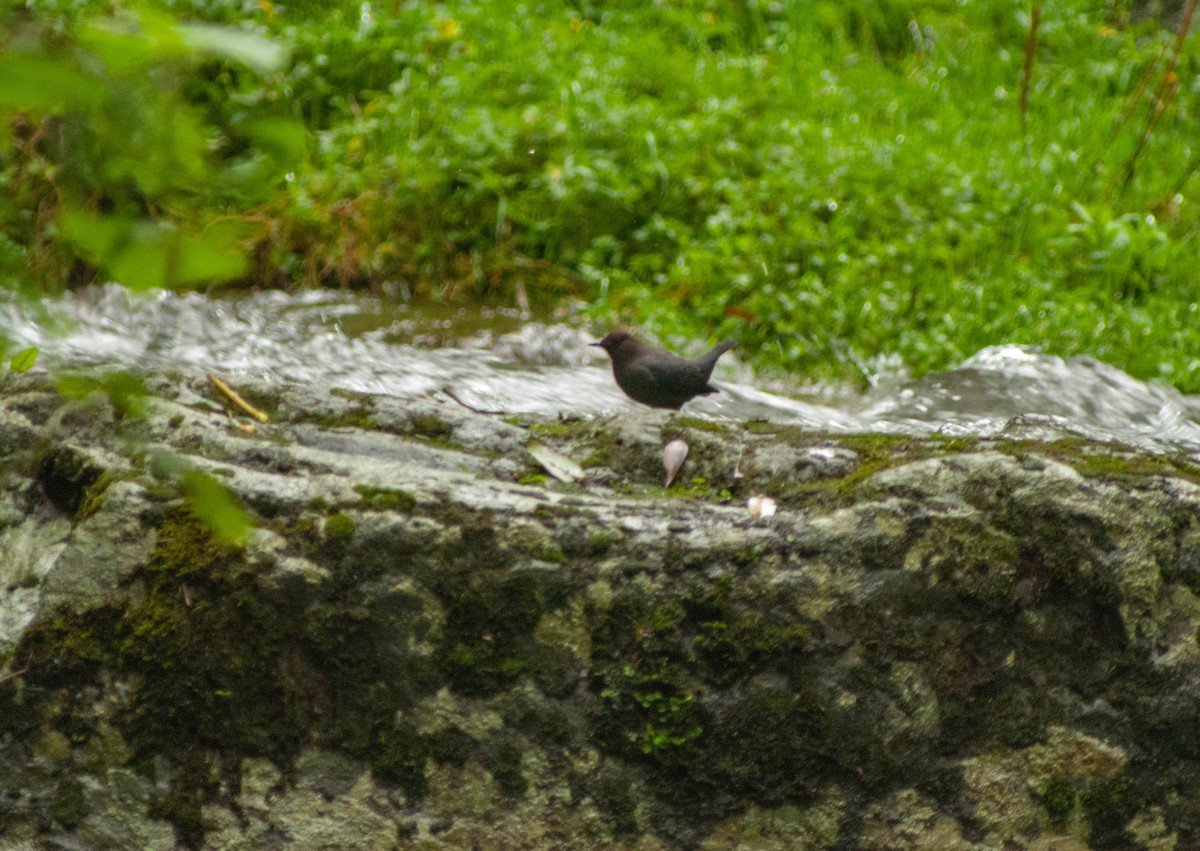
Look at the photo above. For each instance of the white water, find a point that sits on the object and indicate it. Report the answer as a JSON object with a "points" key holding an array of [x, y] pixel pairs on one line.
{"points": [[497, 362]]}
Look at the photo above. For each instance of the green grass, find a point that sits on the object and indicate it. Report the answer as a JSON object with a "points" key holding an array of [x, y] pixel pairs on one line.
{"points": [[830, 183]]}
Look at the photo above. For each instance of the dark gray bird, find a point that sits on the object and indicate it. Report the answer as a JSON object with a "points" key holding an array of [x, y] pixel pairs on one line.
{"points": [[656, 377]]}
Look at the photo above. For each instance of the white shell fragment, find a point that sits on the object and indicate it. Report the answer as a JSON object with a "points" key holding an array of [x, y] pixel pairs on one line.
{"points": [[554, 463], [674, 454], [761, 506]]}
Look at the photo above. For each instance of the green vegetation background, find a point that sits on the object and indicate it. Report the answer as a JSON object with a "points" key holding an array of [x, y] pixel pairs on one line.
{"points": [[831, 183]]}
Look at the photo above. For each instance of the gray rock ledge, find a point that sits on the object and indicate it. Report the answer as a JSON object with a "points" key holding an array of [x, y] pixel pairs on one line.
{"points": [[428, 642]]}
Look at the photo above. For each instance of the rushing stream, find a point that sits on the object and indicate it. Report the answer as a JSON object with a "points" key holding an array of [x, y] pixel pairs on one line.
{"points": [[496, 361]]}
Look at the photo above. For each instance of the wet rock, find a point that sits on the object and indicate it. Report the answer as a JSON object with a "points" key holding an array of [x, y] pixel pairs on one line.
{"points": [[116, 805], [907, 821], [333, 805], [782, 828], [772, 460], [425, 642], [102, 551]]}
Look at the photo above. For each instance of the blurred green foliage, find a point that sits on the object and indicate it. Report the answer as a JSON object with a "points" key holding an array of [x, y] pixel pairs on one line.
{"points": [[829, 182], [213, 504], [114, 165], [23, 360], [124, 392], [216, 506]]}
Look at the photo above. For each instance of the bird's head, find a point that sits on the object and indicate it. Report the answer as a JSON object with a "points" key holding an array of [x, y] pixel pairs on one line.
{"points": [[615, 341]]}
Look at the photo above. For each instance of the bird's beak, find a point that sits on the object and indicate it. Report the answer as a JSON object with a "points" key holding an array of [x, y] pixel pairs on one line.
{"points": [[594, 344]]}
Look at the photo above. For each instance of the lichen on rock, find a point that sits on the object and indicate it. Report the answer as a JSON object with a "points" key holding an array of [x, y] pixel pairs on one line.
{"points": [[934, 643]]}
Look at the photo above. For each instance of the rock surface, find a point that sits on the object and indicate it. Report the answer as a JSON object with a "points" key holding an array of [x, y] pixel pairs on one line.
{"points": [[427, 642]]}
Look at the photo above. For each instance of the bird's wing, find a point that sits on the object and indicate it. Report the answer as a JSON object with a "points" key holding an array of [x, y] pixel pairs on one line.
{"points": [[667, 371], [643, 374]]}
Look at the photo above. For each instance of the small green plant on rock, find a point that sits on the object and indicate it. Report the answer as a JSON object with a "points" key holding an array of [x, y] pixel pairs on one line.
{"points": [[671, 720]]}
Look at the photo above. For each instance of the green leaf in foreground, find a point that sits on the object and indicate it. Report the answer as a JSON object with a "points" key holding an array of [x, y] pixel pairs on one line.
{"points": [[126, 392], [216, 506], [44, 83], [134, 40], [145, 254], [23, 360], [284, 139], [76, 385], [264, 55]]}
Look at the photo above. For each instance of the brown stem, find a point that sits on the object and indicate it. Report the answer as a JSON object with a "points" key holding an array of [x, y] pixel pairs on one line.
{"points": [[12, 675], [1131, 104], [1164, 94], [470, 407], [1035, 19]]}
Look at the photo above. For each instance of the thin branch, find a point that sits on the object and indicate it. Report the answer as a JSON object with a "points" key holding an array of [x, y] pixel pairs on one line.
{"points": [[12, 675], [471, 408], [1035, 20], [230, 394], [1131, 103], [1164, 94]]}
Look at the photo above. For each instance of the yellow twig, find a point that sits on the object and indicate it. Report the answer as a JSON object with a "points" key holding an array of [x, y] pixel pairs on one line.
{"points": [[230, 394]]}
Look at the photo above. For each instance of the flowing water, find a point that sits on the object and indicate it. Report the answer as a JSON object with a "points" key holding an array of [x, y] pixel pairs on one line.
{"points": [[495, 360]]}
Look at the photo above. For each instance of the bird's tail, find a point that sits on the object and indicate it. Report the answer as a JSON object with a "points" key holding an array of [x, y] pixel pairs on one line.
{"points": [[718, 350]]}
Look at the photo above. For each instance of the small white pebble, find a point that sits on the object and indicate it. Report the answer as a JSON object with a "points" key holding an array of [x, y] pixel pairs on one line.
{"points": [[761, 506]]}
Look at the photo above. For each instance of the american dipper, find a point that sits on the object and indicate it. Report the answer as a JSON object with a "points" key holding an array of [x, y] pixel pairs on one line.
{"points": [[656, 377]]}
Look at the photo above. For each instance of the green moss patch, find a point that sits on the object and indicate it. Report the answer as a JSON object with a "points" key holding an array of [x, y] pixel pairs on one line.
{"points": [[385, 499], [221, 668]]}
